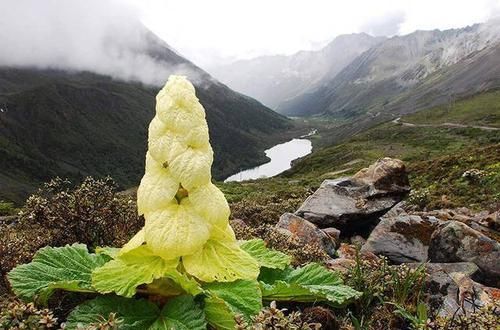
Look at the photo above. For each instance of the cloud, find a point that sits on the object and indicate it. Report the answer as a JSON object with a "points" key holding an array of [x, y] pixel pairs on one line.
{"points": [[102, 36], [386, 25]]}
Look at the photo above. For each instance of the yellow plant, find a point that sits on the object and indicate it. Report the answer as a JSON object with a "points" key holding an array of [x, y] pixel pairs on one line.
{"points": [[187, 217]]}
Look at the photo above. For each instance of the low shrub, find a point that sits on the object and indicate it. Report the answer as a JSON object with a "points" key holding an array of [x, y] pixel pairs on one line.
{"points": [[59, 214], [91, 213]]}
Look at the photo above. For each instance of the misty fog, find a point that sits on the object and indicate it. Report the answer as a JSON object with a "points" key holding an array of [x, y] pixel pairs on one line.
{"points": [[102, 36]]}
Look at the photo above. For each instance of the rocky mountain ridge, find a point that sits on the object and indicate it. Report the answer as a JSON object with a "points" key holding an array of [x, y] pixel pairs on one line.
{"points": [[406, 73]]}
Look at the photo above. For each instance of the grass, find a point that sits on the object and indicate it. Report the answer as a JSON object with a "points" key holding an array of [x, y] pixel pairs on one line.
{"points": [[483, 109]]}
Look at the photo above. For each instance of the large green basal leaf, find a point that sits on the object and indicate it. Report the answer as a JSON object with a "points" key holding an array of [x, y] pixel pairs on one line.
{"points": [[337, 295], [68, 268], [314, 274], [219, 313], [242, 297], [136, 267], [180, 313], [310, 283], [265, 257]]}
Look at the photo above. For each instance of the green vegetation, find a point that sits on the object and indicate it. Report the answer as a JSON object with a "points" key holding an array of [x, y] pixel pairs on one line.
{"points": [[75, 125], [482, 109], [7, 208]]}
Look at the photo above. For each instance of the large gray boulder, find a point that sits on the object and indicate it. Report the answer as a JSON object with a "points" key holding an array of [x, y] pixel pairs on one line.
{"points": [[402, 237], [306, 232], [352, 203], [454, 241]]}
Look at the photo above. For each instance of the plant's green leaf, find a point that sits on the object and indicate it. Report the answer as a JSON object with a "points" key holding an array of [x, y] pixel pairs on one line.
{"points": [[336, 295], [269, 275], [219, 313], [313, 274], [174, 284], [310, 274], [45, 293], [222, 261], [68, 268], [312, 282], [243, 297], [132, 314], [139, 266], [109, 251], [265, 257], [283, 291], [180, 313]]}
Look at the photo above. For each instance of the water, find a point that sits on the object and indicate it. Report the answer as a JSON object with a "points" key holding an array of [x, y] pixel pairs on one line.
{"points": [[281, 157]]}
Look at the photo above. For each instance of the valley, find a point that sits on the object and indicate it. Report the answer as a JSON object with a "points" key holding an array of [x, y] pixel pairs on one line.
{"points": [[436, 157]]}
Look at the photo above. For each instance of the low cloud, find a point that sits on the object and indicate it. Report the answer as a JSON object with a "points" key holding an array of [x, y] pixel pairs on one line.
{"points": [[386, 25], [101, 36]]}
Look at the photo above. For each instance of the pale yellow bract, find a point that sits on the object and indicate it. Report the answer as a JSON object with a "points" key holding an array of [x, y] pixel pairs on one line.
{"points": [[186, 215]]}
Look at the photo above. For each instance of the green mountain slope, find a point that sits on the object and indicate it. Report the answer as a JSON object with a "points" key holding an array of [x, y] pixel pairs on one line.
{"points": [[77, 124], [436, 158]]}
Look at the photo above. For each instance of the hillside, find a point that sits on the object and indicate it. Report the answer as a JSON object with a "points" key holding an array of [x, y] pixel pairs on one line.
{"points": [[436, 158], [56, 123], [407, 73], [274, 79]]}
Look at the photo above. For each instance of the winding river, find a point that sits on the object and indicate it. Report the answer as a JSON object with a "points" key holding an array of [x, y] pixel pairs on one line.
{"points": [[281, 156]]}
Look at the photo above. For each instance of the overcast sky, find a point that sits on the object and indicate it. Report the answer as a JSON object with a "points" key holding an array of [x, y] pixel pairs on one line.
{"points": [[206, 31], [105, 36]]}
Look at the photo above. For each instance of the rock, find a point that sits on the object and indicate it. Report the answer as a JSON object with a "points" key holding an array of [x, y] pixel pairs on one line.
{"points": [[484, 222], [358, 240], [353, 203], [348, 251], [465, 296], [347, 258], [454, 241], [334, 233], [402, 237], [451, 289], [385, 175], [488, 220], [306, 231]]}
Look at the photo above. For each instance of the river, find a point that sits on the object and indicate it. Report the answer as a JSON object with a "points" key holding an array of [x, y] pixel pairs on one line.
{"points": [[281, 156]]}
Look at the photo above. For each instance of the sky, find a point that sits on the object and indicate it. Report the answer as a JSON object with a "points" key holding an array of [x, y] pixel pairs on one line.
{"points": [[219, 30], [106, 36]]}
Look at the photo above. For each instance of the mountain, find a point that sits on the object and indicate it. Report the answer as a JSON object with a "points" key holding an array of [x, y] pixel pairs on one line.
{"points": [[73, 124], [407, 73], [274, 79]]}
